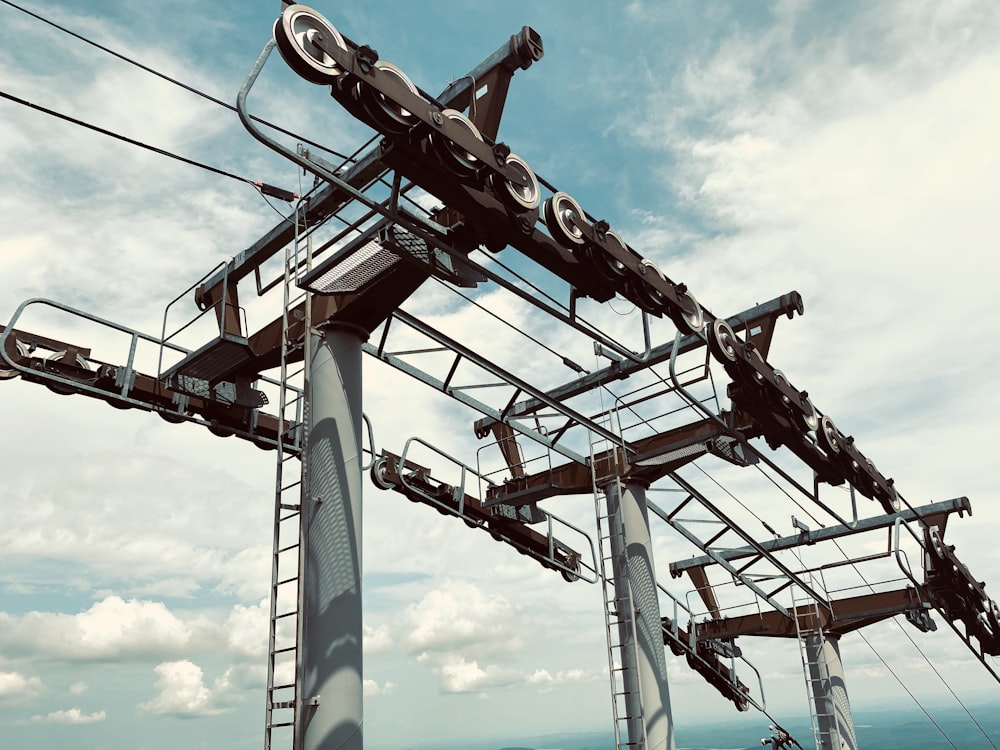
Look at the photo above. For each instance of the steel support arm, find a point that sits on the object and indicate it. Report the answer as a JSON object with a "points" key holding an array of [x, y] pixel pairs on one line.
{"points": [[748, 320], [518, 52], [926, 513], [843, 616]]}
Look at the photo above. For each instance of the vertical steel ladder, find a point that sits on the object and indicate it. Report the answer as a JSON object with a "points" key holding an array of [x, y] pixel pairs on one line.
{"points": [[283, 674], [619, 607], [809, 627]]}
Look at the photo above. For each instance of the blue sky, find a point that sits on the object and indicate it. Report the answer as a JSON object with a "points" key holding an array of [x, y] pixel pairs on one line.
{"points": [[846, 150]]}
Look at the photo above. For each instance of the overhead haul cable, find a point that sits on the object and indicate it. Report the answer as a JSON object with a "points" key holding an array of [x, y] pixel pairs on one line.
{"points": [[919, 651], [263, 188], [565, 359], [892, 672], [168, 79]]}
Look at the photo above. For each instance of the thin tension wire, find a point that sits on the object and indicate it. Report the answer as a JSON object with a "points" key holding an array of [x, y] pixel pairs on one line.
{"points": [[168, 79], [120, 137], [919, 651]]}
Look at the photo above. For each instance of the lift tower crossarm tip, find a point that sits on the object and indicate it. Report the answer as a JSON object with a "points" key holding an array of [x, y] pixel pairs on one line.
{"points": [[517, 53], [925, 513], [842, 616], [762, 316]]}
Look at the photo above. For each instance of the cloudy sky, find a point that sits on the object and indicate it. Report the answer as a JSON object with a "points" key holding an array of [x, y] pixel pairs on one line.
{"points": [[845, 150]]}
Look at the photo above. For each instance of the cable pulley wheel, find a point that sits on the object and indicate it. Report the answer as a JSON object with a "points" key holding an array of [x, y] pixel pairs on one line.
{"points": [[810, 417], [780, 379], [387, 114], [892, 496], [298, 32], [606, 264], [756, 365], [828, 437], [379, 474], [644, 294], [690, 318], [63, 358], [519, 197], [568, 577], [723, 341], [454, 156], [19, 351], [220, 430], [565, 219]]}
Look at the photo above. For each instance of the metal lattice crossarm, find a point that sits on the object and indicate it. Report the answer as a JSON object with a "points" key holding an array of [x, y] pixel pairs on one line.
{"points": [[442, 151], [225, 407], [360, 244], [931, 514], [504, 523]]}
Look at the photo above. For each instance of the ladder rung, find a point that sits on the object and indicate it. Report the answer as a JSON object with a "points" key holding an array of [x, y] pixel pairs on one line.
{"points": [[282, 687], [289, 506], [287, 580], [284, 650], [286, 614], [280, 724], [290, 546]]}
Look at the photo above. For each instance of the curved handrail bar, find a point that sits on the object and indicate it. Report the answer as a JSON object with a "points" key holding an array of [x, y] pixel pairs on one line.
{"points": [[459, 495], [695, 402], [371, 443], [399, 217], [102, 393], [693, 641], [164, 339]]}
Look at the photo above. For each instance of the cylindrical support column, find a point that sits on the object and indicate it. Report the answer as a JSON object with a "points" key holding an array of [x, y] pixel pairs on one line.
{"points": [[330, 673], [643, 660], [829, 692]]}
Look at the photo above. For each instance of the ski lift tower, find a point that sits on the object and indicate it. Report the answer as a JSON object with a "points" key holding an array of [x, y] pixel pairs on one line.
{"points": [[341, 299]]}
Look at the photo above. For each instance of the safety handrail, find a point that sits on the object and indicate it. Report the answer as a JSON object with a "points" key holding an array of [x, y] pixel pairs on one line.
{"points": [[125, 373], [692, 648], [458, 494]]}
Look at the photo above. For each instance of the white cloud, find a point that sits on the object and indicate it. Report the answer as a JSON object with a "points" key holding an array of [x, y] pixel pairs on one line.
{"points": [[70, 716], [177, 543], [79, 688], [247, 573], [376, 640], [456, 626], [371, 688], [246, 629], [183, 693], [115, 629], [459, 617], [461, 676], [16, 687], [110, 629], [547, 681]]}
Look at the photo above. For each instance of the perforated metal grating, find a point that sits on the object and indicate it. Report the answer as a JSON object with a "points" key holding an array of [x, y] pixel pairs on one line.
{"points": [[355, 271]]}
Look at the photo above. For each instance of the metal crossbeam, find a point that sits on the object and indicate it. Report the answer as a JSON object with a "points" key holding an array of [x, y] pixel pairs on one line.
{"points": [[958, 505], [507, 378], [786, 304]]}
